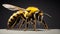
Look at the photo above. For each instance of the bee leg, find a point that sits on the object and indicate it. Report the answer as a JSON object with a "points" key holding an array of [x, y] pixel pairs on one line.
{"points": [[13, 25], [34, 22], [26, 25], [34, 25], [20, 25], [23, 20], [45, 24]]}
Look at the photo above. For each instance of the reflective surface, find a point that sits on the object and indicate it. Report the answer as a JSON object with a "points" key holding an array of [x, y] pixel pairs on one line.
{"points": [[42, 31]]}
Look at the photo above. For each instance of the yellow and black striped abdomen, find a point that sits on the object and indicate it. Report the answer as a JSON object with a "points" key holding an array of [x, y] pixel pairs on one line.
{"points": [[13, 18]]}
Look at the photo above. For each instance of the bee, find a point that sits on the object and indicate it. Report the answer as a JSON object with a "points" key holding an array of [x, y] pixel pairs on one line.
{"points": [[28, 15]]}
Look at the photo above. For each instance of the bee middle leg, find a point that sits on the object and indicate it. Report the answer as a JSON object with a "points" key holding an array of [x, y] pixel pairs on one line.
{"points": [[26, 24], [34, 25]]}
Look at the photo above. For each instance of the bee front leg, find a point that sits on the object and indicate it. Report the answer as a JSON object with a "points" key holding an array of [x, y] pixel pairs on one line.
{"points": [[45, 24]]}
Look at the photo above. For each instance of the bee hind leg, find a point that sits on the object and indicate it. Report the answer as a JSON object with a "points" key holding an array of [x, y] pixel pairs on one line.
{"points": [[20, 25]]}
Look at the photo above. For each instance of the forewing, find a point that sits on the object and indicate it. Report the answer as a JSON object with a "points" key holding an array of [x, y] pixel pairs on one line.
{"points": [[12, 7]]}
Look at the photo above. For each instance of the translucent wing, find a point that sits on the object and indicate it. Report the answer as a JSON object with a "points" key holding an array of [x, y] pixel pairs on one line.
{"points": [[12, 7]]}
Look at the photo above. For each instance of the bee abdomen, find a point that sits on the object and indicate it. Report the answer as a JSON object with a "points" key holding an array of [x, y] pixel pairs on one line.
{"points": [[12, 19]]}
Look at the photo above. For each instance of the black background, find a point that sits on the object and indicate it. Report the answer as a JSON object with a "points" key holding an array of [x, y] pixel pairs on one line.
{"points": [[48, 6]]}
